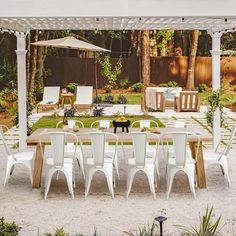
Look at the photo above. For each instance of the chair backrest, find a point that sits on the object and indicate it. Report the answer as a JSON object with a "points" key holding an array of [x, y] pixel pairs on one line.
{"points": [[98, 140], [102, 123], [139, 147], [58, 141], [71, 123], [51, 94], [179, 124], [7, 149], [84, 95], [179, 140], [144, 123], [189, 100], [227, 147], [154, 100]]}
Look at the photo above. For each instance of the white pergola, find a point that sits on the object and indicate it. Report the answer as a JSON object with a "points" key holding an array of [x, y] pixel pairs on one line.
{"points": [[21, 16]]}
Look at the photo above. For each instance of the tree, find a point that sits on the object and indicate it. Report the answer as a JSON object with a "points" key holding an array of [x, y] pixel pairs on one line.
{"points": [[192, 59], [145, 58]]}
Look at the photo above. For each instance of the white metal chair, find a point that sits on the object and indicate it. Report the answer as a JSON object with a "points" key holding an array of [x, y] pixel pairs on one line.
{"points": [[144, 123], [25, 158], [220, 157], [141, 161], [109, 149], [50, 97], [180, 162], [101, 124], [58, 162], [69, 147], [84, 97], [99, 160]]}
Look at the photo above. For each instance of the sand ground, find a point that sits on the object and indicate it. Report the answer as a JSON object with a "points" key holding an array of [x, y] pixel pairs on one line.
{"points": [[110, 217]]}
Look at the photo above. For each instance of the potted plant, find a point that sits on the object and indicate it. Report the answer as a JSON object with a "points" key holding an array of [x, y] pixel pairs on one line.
{"points": [[137, 87], [71, 87]]}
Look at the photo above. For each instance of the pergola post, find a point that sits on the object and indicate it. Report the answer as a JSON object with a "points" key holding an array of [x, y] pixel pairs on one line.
{"points": [[216, 84], [22, 93]]}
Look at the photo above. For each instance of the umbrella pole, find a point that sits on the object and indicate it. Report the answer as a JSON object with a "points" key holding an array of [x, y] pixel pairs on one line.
{"points": [[96, 78]]}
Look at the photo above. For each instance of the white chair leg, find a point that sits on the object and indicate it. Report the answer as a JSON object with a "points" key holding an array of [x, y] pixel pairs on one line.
{"points": [[224, 166], [191, 183], [151, 182], [88, 181], [130, 178], [10, 164], [116, 166], [109, 177], [81, 164], [48, 182], [69, 179], [12, 169], [170, 179]]}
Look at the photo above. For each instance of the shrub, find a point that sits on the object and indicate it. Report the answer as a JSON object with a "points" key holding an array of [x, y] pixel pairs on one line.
{"points": [[111, 74], [172, 84], [145, 231], [163, 85], [98, 111], [234, 87], [109, 99], [137, 87], [99, 99], [202, 88], [124, 83], [8, 229], [206, 228], [72, 87], [122, 99]]}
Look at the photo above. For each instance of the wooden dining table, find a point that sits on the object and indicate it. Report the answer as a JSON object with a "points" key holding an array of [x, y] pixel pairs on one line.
{"points": [[34, 139]]}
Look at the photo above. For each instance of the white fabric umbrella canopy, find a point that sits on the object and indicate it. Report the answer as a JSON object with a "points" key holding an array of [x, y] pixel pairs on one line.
{"points": [[71, 43]]}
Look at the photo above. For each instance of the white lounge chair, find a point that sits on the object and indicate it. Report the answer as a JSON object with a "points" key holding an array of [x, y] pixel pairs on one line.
{"points": [[84, 97], [50, 97]]}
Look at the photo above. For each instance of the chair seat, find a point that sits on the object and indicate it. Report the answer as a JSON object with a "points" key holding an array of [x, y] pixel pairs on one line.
{"points": [[67, 161], [107, 161], [212, 156], [148, 161], [172, 161], [22, 156]]}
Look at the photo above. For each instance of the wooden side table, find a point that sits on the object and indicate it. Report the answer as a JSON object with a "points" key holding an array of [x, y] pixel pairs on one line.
{"points": [[68, 96]]}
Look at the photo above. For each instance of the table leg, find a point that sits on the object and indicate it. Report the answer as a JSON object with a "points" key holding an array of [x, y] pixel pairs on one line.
{"points": [[201, 178], [38, 165], [62, 102], [123, 129]]}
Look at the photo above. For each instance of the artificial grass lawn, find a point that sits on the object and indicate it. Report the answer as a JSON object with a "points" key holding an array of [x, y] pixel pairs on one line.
{"points": [[50, 122]]}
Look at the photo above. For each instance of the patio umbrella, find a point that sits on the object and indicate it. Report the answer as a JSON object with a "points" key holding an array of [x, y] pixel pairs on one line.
{"points": [[73, 43]]}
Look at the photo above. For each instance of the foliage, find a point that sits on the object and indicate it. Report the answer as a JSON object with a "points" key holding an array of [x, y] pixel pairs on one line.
{"points": [[109, 72], [162, 37], [99, 99], [8, 229], [72, 87], [124, 83], [122, 99], [59, 232], [109, 99], [137, 87], [206, 228], [145, 231], [98, 112], [214, 101], [232, 100], [8, 74], [234, 87], [171, 84], [202, 88], [69, 112]]}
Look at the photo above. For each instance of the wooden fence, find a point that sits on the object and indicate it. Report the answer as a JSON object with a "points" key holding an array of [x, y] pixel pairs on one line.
{"points": [[163, 69]]}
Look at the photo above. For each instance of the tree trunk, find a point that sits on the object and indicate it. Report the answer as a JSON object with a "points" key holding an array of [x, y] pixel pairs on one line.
{"points": [[40, 65], [192, 59], [145, 58], [133, 43], [33, 65]]}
